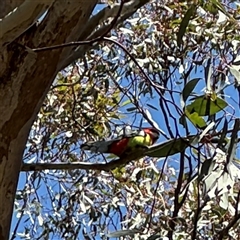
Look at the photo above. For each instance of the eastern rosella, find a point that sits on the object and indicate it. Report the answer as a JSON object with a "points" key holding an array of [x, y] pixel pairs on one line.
{"points": [[125, 144]]}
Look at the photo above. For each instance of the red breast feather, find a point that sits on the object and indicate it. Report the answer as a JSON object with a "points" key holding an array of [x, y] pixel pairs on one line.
{"points": [[118, 147]]}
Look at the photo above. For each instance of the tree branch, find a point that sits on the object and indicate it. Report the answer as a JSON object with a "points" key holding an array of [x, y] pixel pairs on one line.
{"points": [[7, 6], [83, 165], [128, 9], [20, 20], [110, 12]]}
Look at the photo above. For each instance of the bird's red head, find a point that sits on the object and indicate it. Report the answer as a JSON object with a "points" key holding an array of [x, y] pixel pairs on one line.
{"points": [[153, 132]]}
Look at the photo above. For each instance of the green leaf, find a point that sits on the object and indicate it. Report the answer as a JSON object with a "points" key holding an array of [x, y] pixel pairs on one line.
{"points": [[184, 24], [170, 147], [221, 8], [233, 142], [128, 101], [208, 75], [224, 201], [131, 109], [106, 82], [234, 69], [206, 168], [212, 8], [222, 141], [122, 233], [210, 181], [183, 121], [205, 106], [196, 119], [189, 88], [151, 106], [155, 237]]}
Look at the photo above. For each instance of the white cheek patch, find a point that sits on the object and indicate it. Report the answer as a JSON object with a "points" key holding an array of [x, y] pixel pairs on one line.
{"points": [[141, 133]]}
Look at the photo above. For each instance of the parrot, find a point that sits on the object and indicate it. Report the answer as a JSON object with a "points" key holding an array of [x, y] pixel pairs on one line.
{"points": [[126, 143]]}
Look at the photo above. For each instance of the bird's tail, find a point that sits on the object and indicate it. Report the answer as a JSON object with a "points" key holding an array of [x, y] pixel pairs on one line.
{"points": [[97, 147]]}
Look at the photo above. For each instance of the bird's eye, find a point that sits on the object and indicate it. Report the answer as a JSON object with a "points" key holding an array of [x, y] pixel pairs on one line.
{"points": [[155, 134]]}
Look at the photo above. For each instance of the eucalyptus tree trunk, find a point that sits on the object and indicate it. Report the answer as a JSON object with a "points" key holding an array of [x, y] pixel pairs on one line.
{"points": [[26, 75]]}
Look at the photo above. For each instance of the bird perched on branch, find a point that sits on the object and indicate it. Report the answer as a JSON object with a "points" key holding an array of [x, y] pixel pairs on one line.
{"points": [[126, 143]]}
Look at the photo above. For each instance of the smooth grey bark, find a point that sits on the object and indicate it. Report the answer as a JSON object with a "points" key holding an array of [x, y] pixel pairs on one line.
{"points": [[25, 77], [23, 17], [7, 6]]}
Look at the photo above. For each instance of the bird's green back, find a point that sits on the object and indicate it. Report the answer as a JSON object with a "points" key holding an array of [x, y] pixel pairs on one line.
{"points": [[140, 141]]}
